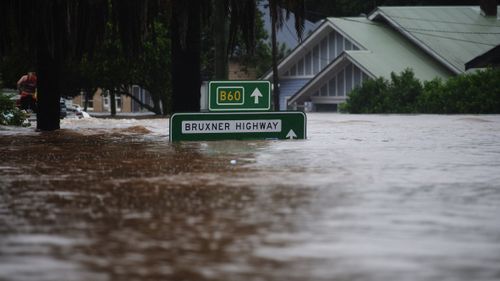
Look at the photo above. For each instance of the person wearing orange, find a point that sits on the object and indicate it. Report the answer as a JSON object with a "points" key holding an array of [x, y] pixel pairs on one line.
{"points": [[27, 89]]}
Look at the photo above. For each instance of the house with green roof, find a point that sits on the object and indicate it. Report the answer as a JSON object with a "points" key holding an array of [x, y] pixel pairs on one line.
{"points": [[343, 52]]}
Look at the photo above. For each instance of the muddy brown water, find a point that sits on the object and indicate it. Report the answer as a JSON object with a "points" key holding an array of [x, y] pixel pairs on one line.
{"points": [[364, 198]]}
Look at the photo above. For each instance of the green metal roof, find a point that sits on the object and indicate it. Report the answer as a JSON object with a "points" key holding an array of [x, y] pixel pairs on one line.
{"points": [[452, 34], [386, 50]]}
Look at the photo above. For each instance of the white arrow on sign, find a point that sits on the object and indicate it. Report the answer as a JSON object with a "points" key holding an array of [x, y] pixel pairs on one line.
{"points": [[256, 94], [291, 135]]}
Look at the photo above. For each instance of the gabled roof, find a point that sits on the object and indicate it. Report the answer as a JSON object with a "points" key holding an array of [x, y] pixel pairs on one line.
{"points": [[298, 50], [453, 35], [386, 51], [315, 37]]}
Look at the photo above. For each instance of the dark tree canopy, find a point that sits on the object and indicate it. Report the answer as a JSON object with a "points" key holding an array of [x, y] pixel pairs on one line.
{"points": [[51, 32], [75, 25]]}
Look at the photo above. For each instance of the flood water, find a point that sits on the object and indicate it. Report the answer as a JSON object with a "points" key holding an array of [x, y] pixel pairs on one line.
{"points": [[365, 197]]}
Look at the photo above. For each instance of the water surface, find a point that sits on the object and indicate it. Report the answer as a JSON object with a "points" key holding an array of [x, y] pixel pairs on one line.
{"points": [[366, 197]]}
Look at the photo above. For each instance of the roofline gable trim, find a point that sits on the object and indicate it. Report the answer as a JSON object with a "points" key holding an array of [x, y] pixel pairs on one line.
{"points": [[342, 57], [326, 23], [345, 35], [298, 48]]}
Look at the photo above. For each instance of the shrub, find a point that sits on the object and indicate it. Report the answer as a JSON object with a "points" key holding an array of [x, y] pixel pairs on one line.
{"points": [[474, 93], [367, 98], [382, 96], [9, 113]]}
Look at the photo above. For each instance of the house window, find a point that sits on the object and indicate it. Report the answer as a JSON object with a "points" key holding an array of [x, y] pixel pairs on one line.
{"points": [[348, 78], [332, 86], [339, 43], [136, 93], [300, 67], [357, 76], [324, 52], [118, 102], [308, 63], [105, 99], [324, 90], [90, 104], [316, 59], [340, 84], [331, 46]]}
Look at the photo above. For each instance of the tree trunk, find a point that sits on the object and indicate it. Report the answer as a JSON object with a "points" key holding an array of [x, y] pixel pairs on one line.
{"points": [[185, 55], [276, 89], [165, 105], [86, 101], [49, 68], [220, 44], [156, 104], [112, 103]]}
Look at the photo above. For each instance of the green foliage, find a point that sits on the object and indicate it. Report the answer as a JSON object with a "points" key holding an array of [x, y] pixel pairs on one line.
{"points": [[259, 58], [152, 70], [369, 98], [111, 68], [9, 113], [473, 93], [403, 92]]}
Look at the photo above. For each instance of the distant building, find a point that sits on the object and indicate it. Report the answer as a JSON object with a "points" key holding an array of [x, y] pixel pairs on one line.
{"points": [[239, 71], [101, 102], [343, 52]]}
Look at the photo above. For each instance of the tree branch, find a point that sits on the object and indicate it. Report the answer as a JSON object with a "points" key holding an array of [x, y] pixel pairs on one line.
{"points": [[141, 103]]}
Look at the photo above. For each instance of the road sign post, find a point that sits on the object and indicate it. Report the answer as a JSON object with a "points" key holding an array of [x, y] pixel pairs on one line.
{"points": [[237, 126], [239, 96]]}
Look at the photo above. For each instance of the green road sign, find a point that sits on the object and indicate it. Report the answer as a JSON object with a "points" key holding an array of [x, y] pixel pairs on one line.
{"points": [[239, 96], [237, 126]]}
